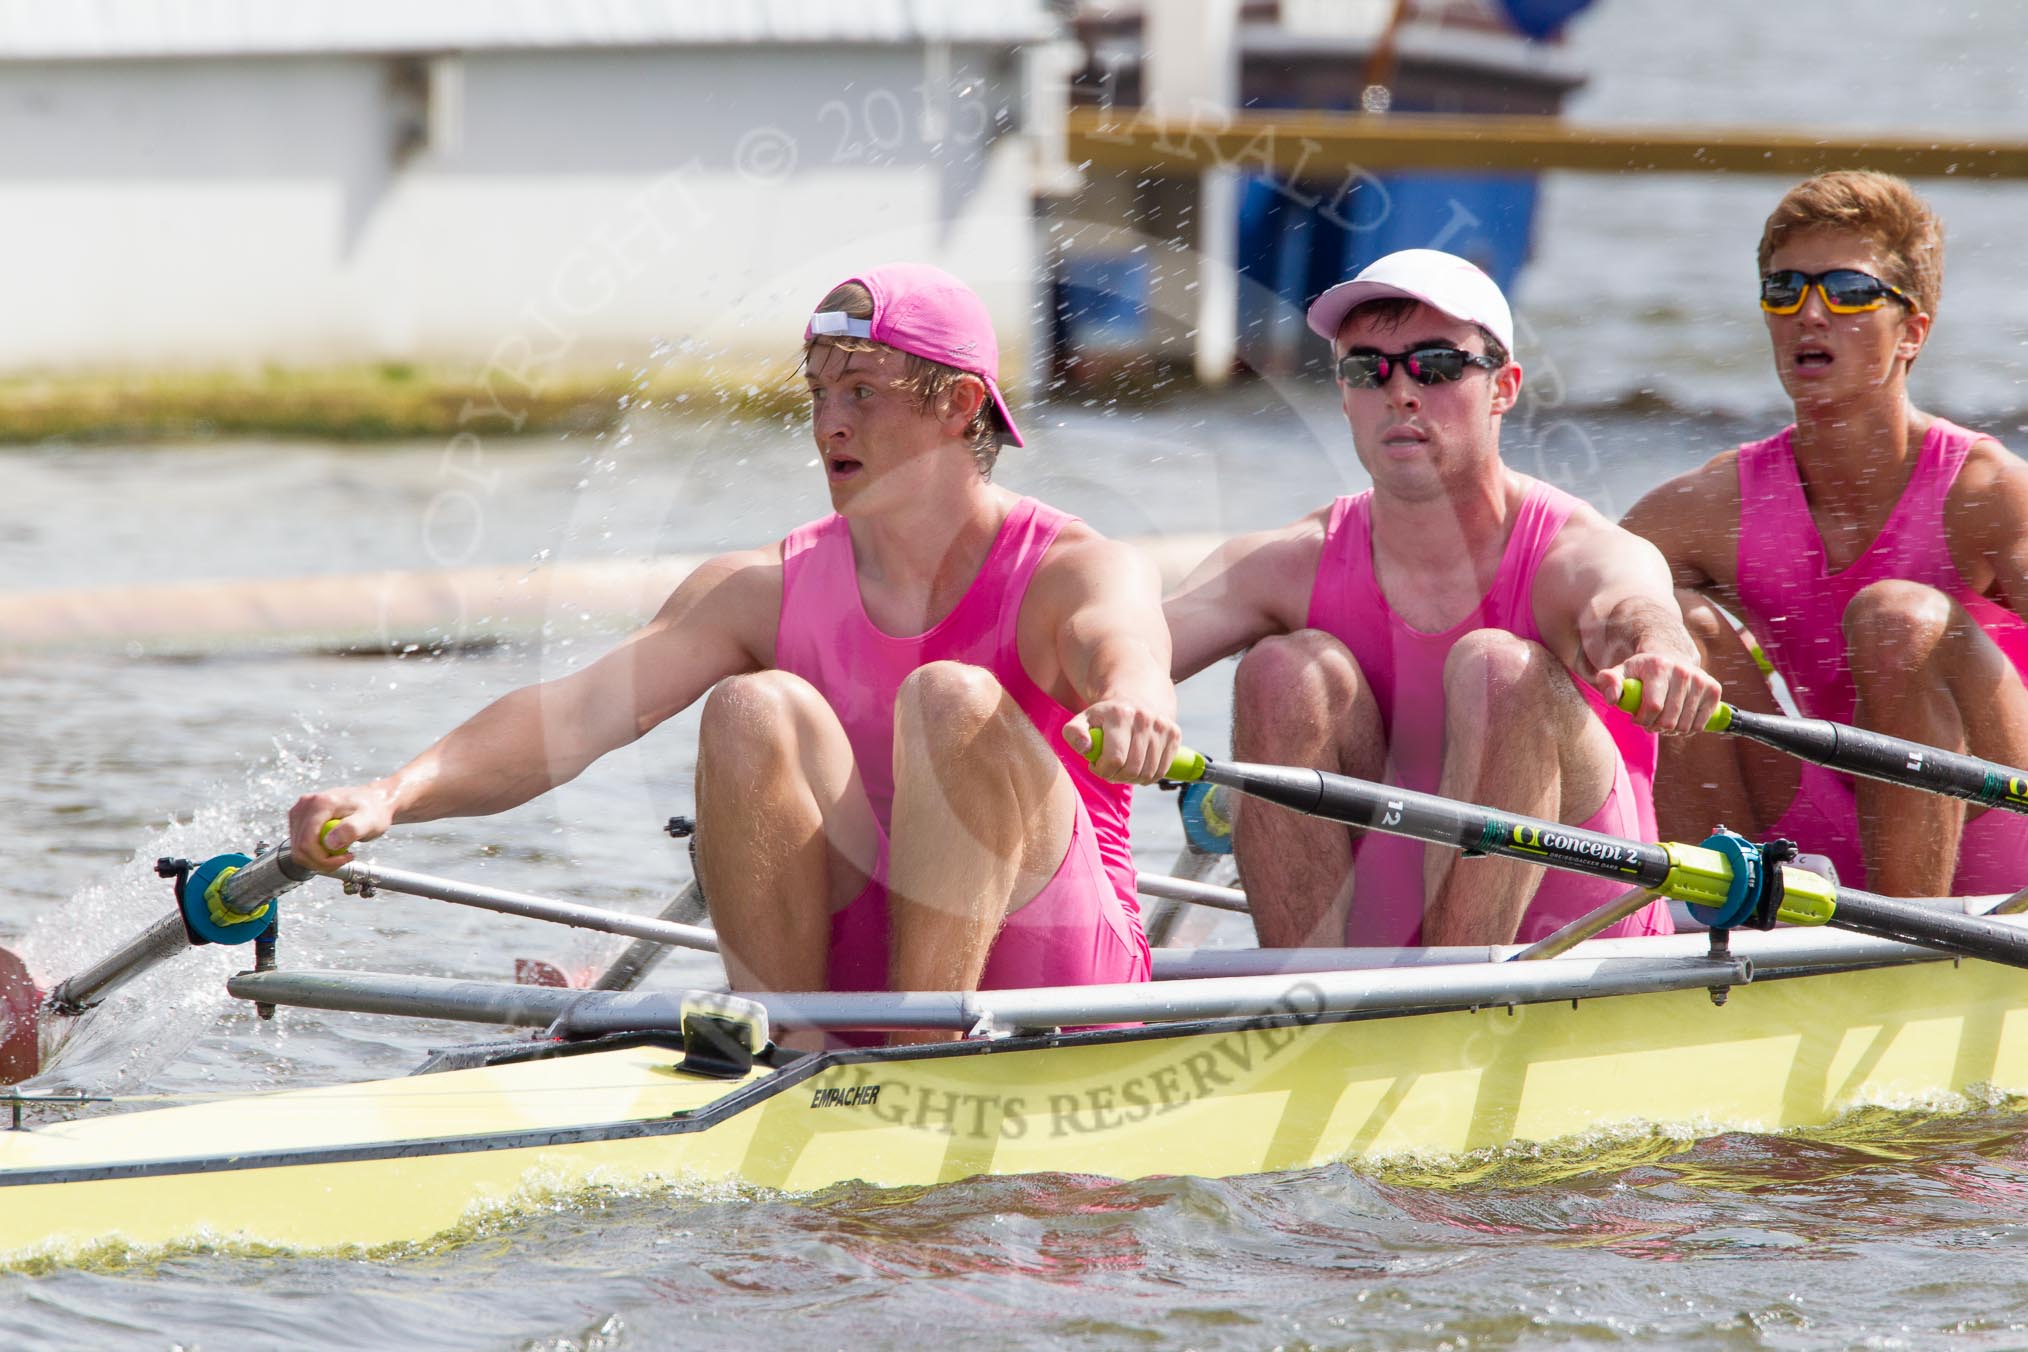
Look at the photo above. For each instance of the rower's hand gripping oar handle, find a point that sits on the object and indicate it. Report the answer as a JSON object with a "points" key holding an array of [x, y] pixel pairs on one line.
{"points": [[324, 837], [1857, 751], [1630, 702], [1187, 767]]}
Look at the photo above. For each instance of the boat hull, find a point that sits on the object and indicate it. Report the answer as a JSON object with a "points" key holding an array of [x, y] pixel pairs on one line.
{"points": [[406, 1160]]}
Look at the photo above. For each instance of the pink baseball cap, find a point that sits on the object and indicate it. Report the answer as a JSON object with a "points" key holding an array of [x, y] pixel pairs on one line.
{"points": [[924, 311], [1439, 280]]}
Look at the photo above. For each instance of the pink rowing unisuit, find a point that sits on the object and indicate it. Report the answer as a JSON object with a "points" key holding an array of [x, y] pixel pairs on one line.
{"points": [[1405, 667], [1084, 926], [1795, 604]]}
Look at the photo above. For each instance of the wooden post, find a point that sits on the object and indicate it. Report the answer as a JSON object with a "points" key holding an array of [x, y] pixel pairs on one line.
{"points": [[1192, 75]]}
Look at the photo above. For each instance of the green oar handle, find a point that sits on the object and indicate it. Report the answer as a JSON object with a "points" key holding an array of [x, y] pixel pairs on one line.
{"points": [[1630, 701], [1855, 751], [1188, 765]]}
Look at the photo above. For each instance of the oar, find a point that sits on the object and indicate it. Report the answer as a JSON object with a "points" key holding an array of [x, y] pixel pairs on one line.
{"points": [[1874, 755], [227, 899], [1722, 880], [371, 878], [230, 899]]}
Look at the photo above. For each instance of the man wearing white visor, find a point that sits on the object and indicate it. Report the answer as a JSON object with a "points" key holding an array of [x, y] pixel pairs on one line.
{"points": [[1459, 628]]}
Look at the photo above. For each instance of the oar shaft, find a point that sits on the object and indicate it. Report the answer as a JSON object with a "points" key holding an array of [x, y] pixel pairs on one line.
{"points": [[1690, 873], [254, 885], [1890, 759], [641, 956], [1460, 826], [1684, 872], [1873, 755], [1889, 918], [380, 878], [163, 939], [242, 892]]}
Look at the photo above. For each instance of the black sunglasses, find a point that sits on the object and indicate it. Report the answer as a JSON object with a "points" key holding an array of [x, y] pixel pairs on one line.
{"points": [[1846, 291], [1367, 370]]}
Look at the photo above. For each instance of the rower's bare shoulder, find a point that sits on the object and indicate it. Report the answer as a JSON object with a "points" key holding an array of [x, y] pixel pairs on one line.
{"points": [[1986, 509], [1989, 468], [1693, 518], [1247, 588], [1261, 580], [1083, 569], [1706, 495], [1588, 530], [735, 592], [1079, 554], [1281, 554], [1591, 553]]}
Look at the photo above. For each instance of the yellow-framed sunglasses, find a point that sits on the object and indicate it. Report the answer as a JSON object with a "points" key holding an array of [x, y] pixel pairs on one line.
{"points": [[1846, 291]]}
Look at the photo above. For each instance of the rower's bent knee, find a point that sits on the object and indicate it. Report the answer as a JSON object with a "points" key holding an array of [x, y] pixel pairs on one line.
{"points": [[1307, 671], [1494, 666], [958, 716], [758, 711], [1893, 625], [949, 695], [959, 722]]}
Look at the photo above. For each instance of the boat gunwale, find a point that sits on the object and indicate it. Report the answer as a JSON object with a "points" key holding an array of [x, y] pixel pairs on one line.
{"points": [[793, 1072]]}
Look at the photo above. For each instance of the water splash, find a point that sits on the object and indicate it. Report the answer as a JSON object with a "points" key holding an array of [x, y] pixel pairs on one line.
{"points": [[152, 1021]]}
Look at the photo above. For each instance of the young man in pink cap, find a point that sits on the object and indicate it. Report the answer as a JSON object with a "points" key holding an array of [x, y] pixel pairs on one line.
{"points": [[1459, 628], [891, 789]]}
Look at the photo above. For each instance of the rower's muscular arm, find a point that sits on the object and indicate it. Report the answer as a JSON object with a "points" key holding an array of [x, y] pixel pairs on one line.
{"points": [[1248, 588], [1986, 523], [1605, 604], [717, 623], [1101, 603]]}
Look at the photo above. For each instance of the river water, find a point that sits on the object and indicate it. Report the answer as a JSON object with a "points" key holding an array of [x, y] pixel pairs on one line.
{"points": [[1645, 355]]}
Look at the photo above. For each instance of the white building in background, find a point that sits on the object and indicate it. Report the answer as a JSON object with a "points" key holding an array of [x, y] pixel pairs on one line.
{"points": [[230, 183]]}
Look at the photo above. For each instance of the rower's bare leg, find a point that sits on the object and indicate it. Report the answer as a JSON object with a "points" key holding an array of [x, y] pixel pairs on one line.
{"points": [[1519, 737], [1300, 699], [1919, 664], [785, 835], [983, 814], [1706, 781]]}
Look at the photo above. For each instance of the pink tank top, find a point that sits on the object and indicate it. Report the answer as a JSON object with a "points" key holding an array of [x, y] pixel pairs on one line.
{"points": [[826, 637], [1796, 602], [1405, 668]]}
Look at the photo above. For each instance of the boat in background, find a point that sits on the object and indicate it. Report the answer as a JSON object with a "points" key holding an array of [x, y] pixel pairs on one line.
{"points": [[1114, 305]]}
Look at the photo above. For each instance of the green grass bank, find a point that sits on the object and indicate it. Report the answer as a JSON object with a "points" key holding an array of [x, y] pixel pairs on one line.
{"points": [[362, 403]]}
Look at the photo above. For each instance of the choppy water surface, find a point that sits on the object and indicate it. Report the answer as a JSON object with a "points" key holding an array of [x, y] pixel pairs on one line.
{"points": [[1889, 1230], [1886, 1231]]}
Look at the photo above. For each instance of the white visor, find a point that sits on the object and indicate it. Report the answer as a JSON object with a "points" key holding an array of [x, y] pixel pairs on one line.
{"points": [[837, 324]]}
